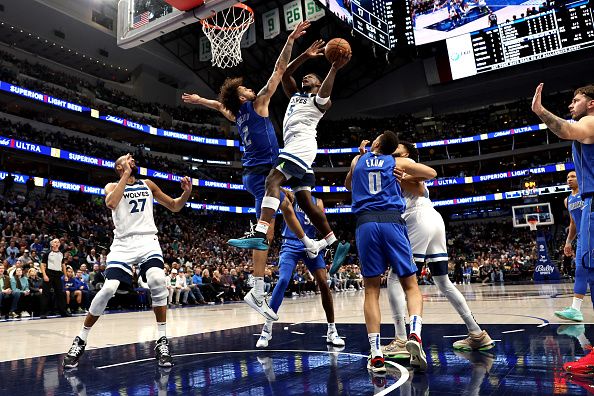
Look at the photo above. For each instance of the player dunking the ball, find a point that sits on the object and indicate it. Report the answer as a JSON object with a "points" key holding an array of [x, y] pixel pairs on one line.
{"points": [[249, 111], [581, 133], [135, 242], [427, 234], [382, 240], [294, 165]]}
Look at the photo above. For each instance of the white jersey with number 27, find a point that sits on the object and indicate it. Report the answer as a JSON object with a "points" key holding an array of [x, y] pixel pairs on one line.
{"points": [[134, 213]]}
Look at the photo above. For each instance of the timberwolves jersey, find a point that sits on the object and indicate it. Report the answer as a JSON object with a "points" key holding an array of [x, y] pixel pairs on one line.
{"points": [[374, 186], [413, 200], [575, 205], [258, 137], [301, 118], [134, 213], [583, 159], [308, 228]]}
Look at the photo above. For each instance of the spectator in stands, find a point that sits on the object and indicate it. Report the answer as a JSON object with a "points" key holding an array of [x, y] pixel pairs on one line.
{"points": [[182, 290], [26, 260], [194, 288], [36, 246], [20, 293], [6, 293], [170, 279], [467, 273], [35, 285], [49, 189], [82, 285], [30, 184], [92, 258], [72, 290], [12, 249]]}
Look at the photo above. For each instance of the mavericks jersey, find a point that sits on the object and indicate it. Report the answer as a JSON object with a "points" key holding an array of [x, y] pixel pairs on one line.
{"points": [[258, 137], [374, 185], [583, 159], [308, 228], [575, 205], [301, 118], [134, 213]]}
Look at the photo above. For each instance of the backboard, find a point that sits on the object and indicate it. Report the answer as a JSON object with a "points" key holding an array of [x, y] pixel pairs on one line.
{"points": [[140, 21], [540, 212]]}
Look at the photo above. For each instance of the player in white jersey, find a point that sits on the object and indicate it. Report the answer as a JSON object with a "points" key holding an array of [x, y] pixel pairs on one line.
{"points": [[427, 235], [135, 242], [294, 164]]}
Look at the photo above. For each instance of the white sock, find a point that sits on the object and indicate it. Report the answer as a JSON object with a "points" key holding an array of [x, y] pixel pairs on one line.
{"points": [[397, 300], [162, 329], [416, 324], [331, 328], [259, 285], [84, 333], [262, 226], [307, 241], [458, 301], [330, 238], [374, 343], [584, 342], [268, 326], [577, 303]]}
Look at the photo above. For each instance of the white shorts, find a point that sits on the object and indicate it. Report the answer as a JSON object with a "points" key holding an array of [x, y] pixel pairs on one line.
{"points": [[133, 250], [303, 151], [426, 232]]}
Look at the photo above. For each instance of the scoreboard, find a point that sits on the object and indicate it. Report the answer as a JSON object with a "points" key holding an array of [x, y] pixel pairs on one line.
{"points": [[387, 23], [554, 32]]}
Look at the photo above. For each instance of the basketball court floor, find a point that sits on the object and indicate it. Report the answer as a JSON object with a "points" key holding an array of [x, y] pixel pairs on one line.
{"points": [[215, 354]]}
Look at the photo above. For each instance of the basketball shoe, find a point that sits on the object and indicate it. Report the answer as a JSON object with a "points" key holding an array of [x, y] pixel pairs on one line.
{"points": [[265, 336], [570, 313], [376, 364], [582, 367], [251, 240], [75, 353], [338, 256], [162, 353], [481, 341], [396, 350], [333, 338], [260, 304], [418, 359]]}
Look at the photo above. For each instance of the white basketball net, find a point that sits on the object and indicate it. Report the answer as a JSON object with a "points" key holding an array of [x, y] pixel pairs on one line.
{"points": [[225, 30]]}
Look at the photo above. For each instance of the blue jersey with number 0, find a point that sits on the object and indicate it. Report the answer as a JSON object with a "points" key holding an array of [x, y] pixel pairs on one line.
{"points": [[374, 185], [258, 137]]}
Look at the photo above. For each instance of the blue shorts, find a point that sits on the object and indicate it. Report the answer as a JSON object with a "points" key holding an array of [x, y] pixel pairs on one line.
{"points": [[293, 251], [382, 246], [255, 185], [586, 236]]}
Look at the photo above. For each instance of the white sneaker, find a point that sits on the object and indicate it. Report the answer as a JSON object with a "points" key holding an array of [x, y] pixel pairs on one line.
{"points": [[260, 304], [263, 340], [25, 314], [318, 246], [334, 339], [418, 359]]}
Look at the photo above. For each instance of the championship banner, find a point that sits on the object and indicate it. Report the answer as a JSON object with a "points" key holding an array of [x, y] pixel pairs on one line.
{"points": [[293, 14], [271, 24], [545, 269]]}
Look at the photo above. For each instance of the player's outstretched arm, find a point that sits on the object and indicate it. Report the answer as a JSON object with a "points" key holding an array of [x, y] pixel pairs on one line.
{"points": [[419, 171], [115, 191], [323, 97], [210, 103], [173, 204], [314, 51], [265, 94], [348, 183], [582, 131]]}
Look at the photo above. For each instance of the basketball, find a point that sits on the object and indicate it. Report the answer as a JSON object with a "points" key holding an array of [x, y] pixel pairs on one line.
{"points": [[335, 48]]}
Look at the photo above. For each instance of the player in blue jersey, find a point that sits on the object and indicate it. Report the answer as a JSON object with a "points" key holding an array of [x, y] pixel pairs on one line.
{"points": [[292, 251], [382, 240], [574, 204], [249, 111], [581, 132]]}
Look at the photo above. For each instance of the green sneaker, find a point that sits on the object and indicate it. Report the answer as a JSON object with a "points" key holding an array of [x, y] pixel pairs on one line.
{"points": [[570, 314], [571, 330]]}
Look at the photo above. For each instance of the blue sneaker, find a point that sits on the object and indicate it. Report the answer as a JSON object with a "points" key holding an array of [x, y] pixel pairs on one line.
{"points": [[571, 330], [251, 240], [339, 256], [570, 314]]}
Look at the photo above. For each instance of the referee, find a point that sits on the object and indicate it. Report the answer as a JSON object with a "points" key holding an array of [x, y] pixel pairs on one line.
{"points": [[52, 269]]}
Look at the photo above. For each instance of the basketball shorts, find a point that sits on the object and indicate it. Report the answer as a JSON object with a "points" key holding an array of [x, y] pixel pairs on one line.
{"points": [[293, 250], [586, 236], [427, 235], [382, 246], [255, 185], [295, 162], [133, 250]]}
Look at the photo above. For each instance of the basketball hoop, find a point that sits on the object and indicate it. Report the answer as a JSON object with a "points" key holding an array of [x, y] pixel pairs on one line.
{"points": [[225, 30], [532, 224]]}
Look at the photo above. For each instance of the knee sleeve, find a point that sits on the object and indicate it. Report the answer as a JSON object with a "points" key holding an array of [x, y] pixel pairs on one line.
{"points": [[102, 298], [158, 286]]}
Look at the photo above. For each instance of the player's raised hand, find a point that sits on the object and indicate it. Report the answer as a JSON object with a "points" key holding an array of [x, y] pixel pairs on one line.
{"points": [[316, 49], [399, 173], [300, 30], [191, 98], [537, 106], [127, 164], [362, 147], [342, 60], [186, 184]]}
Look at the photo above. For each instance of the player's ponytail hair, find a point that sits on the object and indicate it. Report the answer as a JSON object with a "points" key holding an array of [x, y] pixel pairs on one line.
{"points": [[413, 153], [229, 96], [388, 142]]}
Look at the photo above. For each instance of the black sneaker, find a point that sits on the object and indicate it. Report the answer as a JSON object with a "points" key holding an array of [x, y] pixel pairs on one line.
{"points": [[76, 351], [162, 354]]}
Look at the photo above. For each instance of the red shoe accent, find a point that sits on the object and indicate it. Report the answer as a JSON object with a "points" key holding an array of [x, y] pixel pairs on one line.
{"points": [[583, 366], [377, 359], [588, 386], [415, 337]]}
